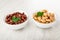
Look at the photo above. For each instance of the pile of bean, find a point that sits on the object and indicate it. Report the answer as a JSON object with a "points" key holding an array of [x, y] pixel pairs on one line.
{"points": [[22, 17], [47, 17]]}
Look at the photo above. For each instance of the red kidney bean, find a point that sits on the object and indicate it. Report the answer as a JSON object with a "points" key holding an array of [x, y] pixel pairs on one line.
{"points": [[8, 18]]}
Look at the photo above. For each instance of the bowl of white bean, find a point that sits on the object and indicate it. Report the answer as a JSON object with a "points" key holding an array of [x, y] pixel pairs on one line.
{"points": [[44, 19]]}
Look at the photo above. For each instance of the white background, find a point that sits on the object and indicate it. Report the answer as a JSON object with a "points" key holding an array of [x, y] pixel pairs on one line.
{"points": [[31, 31]]}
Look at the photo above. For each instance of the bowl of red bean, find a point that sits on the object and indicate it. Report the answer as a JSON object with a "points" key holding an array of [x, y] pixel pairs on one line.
{"points": [[44, 19], [16, 19]]}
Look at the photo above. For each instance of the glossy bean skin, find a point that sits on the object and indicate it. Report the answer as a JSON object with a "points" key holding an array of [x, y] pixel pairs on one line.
{"points": [[8, 18], [47, 17]]}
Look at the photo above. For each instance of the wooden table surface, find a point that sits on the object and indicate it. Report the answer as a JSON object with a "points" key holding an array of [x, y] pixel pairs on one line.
{"points": [[31, 31]]}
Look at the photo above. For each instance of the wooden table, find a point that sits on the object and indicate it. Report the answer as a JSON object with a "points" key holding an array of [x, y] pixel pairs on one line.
{"points": [[31, 31]]}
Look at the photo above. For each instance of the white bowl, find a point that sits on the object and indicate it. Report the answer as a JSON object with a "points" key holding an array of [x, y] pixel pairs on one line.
{"points": [[41, 25], [18, 26]]}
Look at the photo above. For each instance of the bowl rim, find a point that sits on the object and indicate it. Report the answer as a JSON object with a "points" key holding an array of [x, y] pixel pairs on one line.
{"points": [[21, 11], [43, 23]]}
